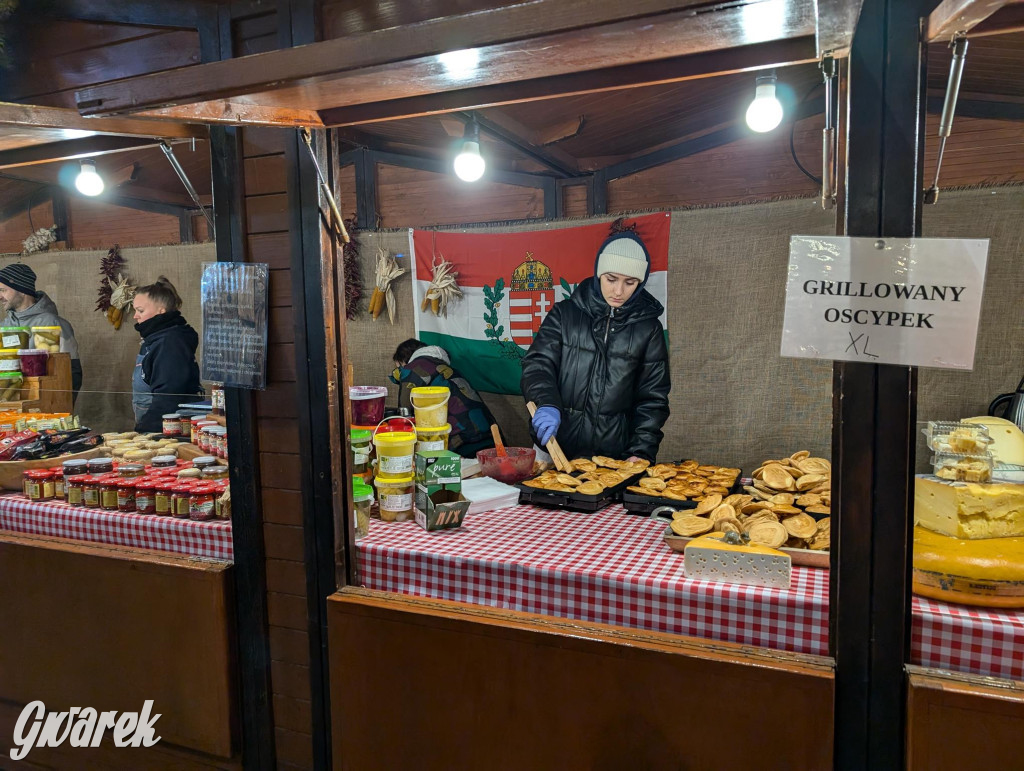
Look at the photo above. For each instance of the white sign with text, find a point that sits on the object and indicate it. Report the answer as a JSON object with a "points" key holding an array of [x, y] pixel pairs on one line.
{"points": [[910, 301]]}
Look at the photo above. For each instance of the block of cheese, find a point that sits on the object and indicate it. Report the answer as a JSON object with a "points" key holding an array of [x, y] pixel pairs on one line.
{"points": [[1007, 439], [969, 510], [709, 558], [988, 572]]}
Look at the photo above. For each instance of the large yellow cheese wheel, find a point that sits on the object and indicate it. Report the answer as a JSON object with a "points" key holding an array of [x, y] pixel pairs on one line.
{"points": [[1007, 439], [988, 573]]}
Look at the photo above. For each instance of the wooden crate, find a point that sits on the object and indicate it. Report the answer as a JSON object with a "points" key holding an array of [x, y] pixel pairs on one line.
{"points": [[51, 393]]}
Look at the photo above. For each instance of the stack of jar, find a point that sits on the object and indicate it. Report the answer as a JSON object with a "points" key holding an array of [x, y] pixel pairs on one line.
{"points": [[131, 488], [209, 436]]}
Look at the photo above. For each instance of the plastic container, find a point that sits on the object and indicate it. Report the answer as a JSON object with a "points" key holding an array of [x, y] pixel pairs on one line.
{"points": [[172, 424], [514, 467], [9, 360], [32, 362], [361, 441], [75, 488], [46, 338], [10, 386], [362, 499], [367, 404], [395, 454], [953, 436], [126, 496], [963, 468], [15, 337], [395, 498], [145, 496], [202, 504], [431, 405], [432, 439]]}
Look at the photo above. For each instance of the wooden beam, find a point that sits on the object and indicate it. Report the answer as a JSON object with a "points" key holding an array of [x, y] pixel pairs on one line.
{"points": [[72, 149], [186, 232], [980, 108], [366, 190], [524, 41], [61, 215], [556, 132], [954, 16], [499, 124], [1004, 22], [800, 50], [147, 13], [37, 116], [834, 25]]}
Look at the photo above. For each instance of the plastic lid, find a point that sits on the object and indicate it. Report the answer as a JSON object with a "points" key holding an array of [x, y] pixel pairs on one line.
{"points": [[9, 351], [11, 375], [79, 479], [75, 463], [11, 329], [431, 390], [366, 392], [445, 429], [396, 482], [126, 483], [361, 491], [395, 437], [46, 327], [171, 415], [32, 352], [360, 434]]}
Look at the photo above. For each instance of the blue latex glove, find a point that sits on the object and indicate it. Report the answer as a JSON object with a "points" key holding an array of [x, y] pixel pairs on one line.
{"points": [[545, 423]]}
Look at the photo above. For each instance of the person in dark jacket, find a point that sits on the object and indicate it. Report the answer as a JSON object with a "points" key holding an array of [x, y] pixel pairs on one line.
{"points": [[598, 367], [418, 365], [166, 373]]}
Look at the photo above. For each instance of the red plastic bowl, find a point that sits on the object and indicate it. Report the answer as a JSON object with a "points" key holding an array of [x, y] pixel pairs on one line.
{"points": [[514, 467]]}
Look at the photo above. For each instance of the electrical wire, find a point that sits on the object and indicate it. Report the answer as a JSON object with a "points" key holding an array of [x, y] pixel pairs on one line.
{"points": [[792, 132]]}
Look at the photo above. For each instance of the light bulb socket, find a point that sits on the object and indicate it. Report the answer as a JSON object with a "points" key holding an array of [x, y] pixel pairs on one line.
{"points": [[471, 133], [471, 146], [88, 166]]}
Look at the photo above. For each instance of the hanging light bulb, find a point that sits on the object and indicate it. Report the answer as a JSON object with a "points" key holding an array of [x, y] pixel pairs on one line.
{"points": [[88, 181], [765, 112], [469, 164]]}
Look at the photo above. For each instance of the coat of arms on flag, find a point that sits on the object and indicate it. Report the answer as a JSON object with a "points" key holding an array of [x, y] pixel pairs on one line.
{"points": [[510, 281]]}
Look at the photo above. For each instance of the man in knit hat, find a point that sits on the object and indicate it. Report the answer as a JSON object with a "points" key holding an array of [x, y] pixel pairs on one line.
{"points": [[28, 308], [598, 367]]}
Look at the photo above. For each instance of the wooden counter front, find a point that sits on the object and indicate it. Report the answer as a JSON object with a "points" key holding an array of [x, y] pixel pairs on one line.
{"points": [[87, 625], [960, 722], [419, 683]]}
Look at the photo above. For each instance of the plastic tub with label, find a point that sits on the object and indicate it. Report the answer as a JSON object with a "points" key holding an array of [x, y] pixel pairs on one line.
{"points": [[432, 438], [395, 498]]}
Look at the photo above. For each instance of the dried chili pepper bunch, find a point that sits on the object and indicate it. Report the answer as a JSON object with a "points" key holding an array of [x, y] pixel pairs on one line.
{"points": [[350, 268], [116, 292], [442, 289], [386, 271]]}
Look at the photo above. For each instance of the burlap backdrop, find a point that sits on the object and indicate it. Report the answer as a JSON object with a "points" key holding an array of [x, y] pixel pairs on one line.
{"points": [[734, 399], [108, 357]]}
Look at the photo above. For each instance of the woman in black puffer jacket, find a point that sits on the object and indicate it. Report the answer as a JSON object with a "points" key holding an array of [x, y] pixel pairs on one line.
{"points": [[598, 368]]}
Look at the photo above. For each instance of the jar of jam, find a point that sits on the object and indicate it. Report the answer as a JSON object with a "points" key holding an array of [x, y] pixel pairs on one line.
{"points": [[145, 496], [91, 492], [164, 461], [181, 495], [198, 424], [206, 440], [98, 466], [108, 492], [185, 427], [204, 461], [202, 502], [75, 489], [214, 473], [126, 496], [58, 483], [71, 468], [38, 484], [131, 470], [162, 498], [171, 424]]}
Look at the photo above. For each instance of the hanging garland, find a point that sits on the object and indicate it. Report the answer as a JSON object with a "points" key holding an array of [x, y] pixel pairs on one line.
{"points": [[350, 270], [115, 293]]}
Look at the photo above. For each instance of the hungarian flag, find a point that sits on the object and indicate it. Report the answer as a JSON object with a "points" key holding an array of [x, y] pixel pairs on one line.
{"points": [[510, 281]]}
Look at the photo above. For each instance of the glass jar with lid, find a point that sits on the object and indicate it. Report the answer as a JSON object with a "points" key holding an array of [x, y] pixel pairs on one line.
{"points": [[91, 492], [58, 483], [108, 491], [75, 489], [171, 424], [126, 495], [100, 466], [38, 484], [202, 502], [214, 473], [131, 470]]}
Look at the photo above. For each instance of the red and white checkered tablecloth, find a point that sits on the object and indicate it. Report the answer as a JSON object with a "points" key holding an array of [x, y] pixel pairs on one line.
{"points": [[210, 540], [614, 568]]}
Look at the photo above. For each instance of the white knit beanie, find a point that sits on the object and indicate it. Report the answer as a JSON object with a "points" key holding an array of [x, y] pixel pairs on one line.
{"points": [[624, 256]]}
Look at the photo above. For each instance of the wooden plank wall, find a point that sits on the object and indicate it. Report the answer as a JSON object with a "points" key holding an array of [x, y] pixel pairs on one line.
{"points": [[268, 240], [17, 227]]}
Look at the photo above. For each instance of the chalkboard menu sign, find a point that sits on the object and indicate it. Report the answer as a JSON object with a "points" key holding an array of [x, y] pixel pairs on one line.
{"points": [[234, 296]]}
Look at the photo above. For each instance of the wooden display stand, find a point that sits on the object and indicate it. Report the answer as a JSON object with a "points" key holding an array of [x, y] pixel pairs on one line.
{"points": [[50, 393]]}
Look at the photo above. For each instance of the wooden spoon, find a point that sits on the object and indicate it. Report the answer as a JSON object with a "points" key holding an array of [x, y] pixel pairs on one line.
{"points": [[497, 441]]}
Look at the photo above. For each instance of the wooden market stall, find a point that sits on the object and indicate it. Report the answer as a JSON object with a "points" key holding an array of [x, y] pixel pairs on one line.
{"points": [[374, 679]]}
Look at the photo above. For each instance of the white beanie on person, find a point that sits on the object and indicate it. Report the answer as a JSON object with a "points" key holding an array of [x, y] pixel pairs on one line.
{"points": [[623, 255]]}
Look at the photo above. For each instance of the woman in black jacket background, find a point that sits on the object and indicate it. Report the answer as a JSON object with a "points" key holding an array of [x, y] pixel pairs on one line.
{"points": [[166, 373], [598, 367]]}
